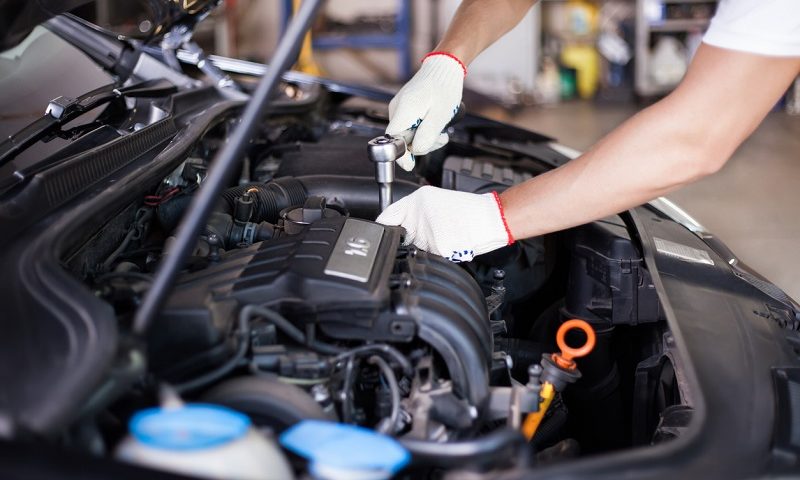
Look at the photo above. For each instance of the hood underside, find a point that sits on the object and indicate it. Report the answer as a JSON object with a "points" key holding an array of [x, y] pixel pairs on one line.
{"points": [[19, 17]]}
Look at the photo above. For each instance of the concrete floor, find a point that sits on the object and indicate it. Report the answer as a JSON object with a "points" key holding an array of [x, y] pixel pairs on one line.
{"points": [[752, 204]]}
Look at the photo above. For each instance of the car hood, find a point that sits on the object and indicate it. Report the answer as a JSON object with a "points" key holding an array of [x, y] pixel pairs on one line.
{"points": [[19, 17]]}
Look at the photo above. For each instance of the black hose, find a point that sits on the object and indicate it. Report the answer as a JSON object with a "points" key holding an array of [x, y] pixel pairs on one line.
{"points": [[359, 195], [379, 348], [268, 199], [388, 427], [288, 328], [499, 447], [347, 400]]}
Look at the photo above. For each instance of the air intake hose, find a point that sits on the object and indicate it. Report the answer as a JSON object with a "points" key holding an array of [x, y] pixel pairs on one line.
{"points": [[359, 195]]}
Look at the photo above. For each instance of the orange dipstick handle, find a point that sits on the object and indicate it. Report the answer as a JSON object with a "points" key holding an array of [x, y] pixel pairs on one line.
{"points": [[565, 359]]}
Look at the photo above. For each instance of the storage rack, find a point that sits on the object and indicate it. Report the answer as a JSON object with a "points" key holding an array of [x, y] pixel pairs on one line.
{"points": [[646, 27], [399, 39]]}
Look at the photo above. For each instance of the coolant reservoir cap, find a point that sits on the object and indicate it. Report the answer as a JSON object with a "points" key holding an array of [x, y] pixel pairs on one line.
{"points": [[189, 427], [336, 450]]}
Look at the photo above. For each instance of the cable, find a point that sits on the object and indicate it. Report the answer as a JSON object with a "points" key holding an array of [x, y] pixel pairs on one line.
{"points": [[225, 368], [502, 445], [283, 324], [122, 246], [143, 215], [288, 328], [389, 427], [347, 406], [380, 348], [349, 376]]}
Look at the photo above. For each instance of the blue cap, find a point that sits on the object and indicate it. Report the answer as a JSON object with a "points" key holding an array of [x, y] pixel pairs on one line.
{"points": [[190, 427], [344, 447]]}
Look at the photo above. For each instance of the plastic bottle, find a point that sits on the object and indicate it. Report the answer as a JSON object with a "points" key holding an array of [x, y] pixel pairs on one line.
{"points": [[206, 441], [668, 62]]}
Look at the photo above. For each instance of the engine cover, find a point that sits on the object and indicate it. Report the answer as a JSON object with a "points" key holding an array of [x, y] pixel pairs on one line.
{"points": [[349, 277], [335, 272]]}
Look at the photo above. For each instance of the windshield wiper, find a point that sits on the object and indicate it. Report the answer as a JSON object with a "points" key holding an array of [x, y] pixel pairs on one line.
{"points": [[64, 109]]}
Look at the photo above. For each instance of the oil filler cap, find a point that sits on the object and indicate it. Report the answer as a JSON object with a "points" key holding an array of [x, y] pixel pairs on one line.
{"points": [[337, 451]]}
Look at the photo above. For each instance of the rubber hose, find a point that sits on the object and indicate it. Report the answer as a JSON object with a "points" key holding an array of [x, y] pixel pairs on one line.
{"points": [[359, 195], [501, 446], [388, 426], [269, 199]]}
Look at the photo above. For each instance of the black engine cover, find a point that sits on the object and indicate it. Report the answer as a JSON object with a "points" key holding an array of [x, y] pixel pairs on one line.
{"points": [[349, 277]]}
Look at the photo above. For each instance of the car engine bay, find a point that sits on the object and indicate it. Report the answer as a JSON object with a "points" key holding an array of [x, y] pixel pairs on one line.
{"points": [[197, 286], [296, 305]]}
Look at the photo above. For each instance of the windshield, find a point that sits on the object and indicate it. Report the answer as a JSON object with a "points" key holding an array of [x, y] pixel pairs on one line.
{"points": [[42, 68]]}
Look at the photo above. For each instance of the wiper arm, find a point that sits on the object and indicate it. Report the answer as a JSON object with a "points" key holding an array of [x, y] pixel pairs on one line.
{"points": [[64, 109]]}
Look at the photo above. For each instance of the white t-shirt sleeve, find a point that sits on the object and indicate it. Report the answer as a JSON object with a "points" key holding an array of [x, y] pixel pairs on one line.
{"points": [[766, 27]]}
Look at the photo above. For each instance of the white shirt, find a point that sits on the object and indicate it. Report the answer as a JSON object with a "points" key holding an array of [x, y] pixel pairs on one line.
{"points": [[766, 27]]}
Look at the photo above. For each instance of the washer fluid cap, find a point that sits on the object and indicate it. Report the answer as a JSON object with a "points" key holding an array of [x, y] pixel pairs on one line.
{"points": [[338, 451], [190, 427]]}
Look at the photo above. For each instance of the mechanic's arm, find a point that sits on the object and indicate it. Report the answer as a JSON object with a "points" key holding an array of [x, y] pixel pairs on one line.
{"points": [[689, 134], [423, 107], [479, 23]]}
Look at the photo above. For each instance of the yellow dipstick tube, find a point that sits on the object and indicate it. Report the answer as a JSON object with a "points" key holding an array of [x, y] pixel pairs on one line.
{"points": [[533, 420], [563, 361]]}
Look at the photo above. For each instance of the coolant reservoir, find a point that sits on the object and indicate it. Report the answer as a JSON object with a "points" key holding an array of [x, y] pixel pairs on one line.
{"points": [[206, 441], [345, 452]]}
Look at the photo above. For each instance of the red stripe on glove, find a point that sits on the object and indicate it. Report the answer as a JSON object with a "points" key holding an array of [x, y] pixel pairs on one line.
{"points": [[503, 217], [463, 67]]}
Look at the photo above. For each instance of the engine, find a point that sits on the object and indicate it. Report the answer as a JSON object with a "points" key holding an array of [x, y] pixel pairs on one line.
{"points": [[295, 305], [348, 279]]}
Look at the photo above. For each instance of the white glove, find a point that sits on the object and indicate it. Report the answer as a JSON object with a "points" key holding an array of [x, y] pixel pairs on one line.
{"points": [[455, 225], [423, 107]]}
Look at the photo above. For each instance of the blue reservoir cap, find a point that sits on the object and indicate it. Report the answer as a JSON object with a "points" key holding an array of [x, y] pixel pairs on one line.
{"points": [[190, 427], [344, 447]]}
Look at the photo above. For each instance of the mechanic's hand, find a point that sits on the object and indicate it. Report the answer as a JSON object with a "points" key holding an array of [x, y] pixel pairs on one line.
{"points": [[423, 107], [455, 225]]}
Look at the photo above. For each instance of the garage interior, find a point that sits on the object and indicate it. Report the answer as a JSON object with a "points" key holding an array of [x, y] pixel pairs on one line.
{"points": [[215, 268], [750, 204]]}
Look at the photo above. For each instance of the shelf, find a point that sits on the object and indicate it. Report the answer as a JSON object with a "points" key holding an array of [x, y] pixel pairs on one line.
{"points": [[680, 25], [365, 40]]}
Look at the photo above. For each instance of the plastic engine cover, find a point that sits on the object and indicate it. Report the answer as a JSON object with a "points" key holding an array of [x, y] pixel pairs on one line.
{"points": [[353, 280]]}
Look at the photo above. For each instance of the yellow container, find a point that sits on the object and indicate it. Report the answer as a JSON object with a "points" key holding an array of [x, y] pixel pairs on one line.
{"points": [[586, 61]]}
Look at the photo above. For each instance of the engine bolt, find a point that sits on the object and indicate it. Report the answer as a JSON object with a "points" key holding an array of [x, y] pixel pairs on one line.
{"points": [[534, 374]]}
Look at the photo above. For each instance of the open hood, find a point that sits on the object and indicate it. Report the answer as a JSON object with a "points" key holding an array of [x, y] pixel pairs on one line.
{"points": [[146, 19], [19, 17]]}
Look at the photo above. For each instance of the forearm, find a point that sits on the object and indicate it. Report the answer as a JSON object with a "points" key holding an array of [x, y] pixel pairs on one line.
{"points": [[680, 139], [645, 158], [479, 23]]}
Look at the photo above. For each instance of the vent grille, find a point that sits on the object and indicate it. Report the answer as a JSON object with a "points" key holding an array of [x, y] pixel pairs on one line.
{"points": [[75, 175]]}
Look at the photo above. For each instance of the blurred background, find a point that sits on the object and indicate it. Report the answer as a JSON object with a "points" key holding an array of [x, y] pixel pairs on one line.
{"points": [[573, 70]]}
